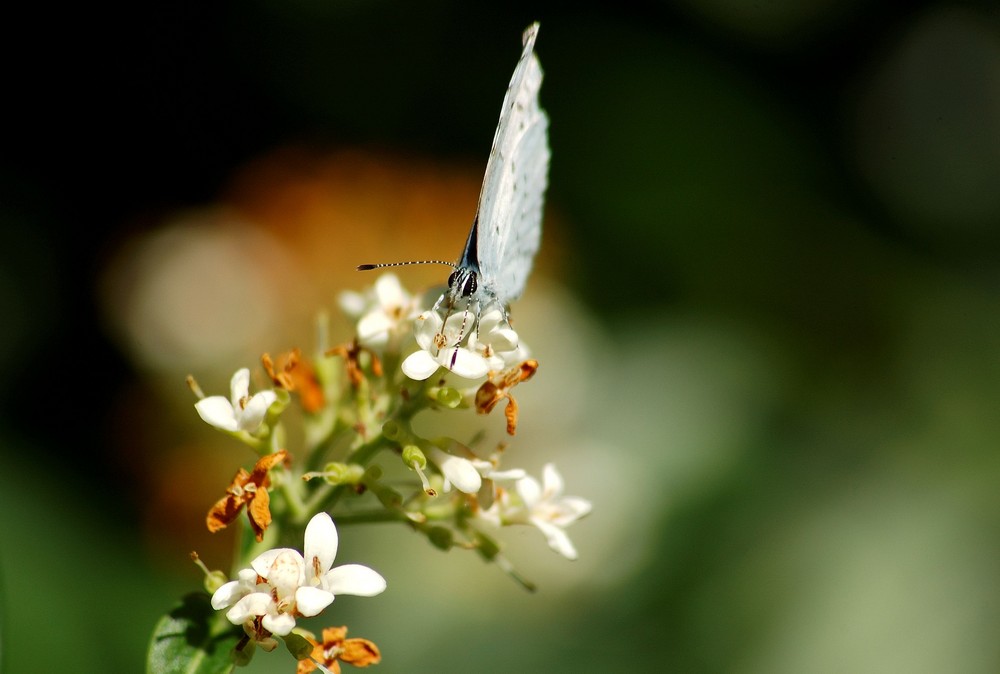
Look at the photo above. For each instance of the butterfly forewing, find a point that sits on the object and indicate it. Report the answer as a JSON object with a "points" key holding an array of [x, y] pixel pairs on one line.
{"points": [[510, 203]]}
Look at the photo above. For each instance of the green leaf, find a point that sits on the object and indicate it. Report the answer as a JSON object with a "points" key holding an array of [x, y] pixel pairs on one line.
{"points": [[183, 642], [298, 646]]}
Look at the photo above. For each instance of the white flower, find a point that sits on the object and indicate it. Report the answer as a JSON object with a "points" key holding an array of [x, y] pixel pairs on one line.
{"points": [[383, 314], [282, 585], [242, 412], [469, 346], [321, 543], [543, 507], [496, 341], [457, 471], [438, 341]]}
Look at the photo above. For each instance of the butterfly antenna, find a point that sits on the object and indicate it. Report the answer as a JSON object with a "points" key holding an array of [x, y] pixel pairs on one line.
{"points": [[382, 265]]}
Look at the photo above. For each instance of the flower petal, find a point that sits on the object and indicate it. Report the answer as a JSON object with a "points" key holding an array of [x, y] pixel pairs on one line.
{"points": [[491, 319], [352, 303], [354, 579], [467, 364], [239, 387], [373, 329], [311, 600], [228, 594], [570, 509], [262, 562], [552, 480], [426, 326], [507, 475], [529, 490], [253, 605], [389, 291], [287, 573], [503, 339], [278, 623], [419, 365], [255, 410], [557, 538], [217, 411], [460, 472], [321, 545]]}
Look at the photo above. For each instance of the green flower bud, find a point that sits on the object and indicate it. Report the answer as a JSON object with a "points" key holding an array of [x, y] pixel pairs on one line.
{"points": [[214, 580], [413, 457], [392, 430], [336, 473], [486, 546], [449, 397], [441, 537]]}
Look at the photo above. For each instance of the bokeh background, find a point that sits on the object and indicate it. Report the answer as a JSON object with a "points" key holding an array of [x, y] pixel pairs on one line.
{"points": [[766, 309]]}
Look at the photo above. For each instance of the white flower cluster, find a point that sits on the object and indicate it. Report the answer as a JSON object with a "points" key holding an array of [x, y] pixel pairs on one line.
{"points": [[470, 351], [384, 313], [468, 343], [542, 506], [282, 584]]}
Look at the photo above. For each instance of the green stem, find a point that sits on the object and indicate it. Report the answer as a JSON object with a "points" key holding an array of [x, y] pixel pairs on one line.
{"points": [[371, 516], [312, 505], [297, 508]]}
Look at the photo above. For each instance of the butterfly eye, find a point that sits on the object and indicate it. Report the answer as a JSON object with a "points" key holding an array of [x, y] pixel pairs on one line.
{"points": [[470, 286], [452, 278]]}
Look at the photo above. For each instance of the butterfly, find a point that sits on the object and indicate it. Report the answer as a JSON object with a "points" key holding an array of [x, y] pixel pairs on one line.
{"points": [[506, 231]]}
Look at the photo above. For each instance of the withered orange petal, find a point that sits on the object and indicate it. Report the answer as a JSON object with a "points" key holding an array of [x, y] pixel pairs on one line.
{"points": [[376, 365], [360, 652], [332, 636], [239, 480], [312, 398], [259, 512], [487, 397], [265, 360], [511, 414], [265, 464], [223, 513], [308, 386], [354, 374], [528, 368]]}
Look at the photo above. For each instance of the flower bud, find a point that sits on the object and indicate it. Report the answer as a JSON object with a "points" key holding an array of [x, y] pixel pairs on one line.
{"points": [[487, 547], [391, 430], [214, 580], [448, 396], [413, 457], [337, 473], [441, 537]]}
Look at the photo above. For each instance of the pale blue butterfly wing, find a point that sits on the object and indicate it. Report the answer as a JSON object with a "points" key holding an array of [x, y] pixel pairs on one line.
{"points": [[508, 227]]}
